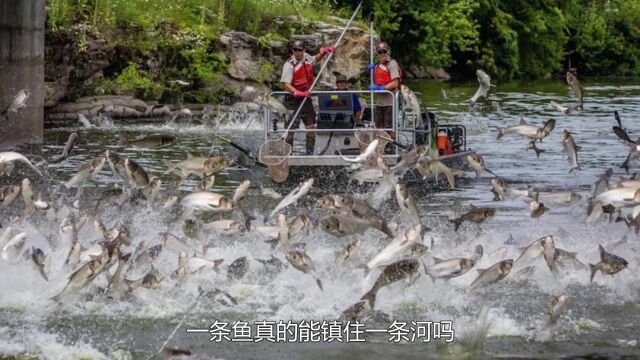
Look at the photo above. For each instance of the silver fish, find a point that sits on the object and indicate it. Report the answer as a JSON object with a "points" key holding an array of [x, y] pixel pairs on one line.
{"points": [[366, 154], [27, 196], [83, 276], [345, 254], [207, 201], [476, 215], [448, 269], [409, 159], [295, 194], [71, 142], [88, 170], [169, 202], [576, 87], [8, 194], [11, 156], [19, 101], [197, 263], [478, 165], [396, 247], [302, 262], [484, 84], [534, 250], [114, 288], [491, 275], [224, 227], [73, 257], [197, 165], [407, 203], [348, 204], [241, 191], [555, 308], [572, 150], [411, 100], [431, 166], [136, 173], [272, 265], [344, 225], [12, 249], [399, 270], [39, 259], [567, 110], [527, 130], [609, 263], [183, 267], [206, 183], [532, 146]]}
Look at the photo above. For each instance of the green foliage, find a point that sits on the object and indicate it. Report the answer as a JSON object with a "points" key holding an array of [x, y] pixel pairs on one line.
{"points": [[607, 38], [420, 32], [135, 82]]}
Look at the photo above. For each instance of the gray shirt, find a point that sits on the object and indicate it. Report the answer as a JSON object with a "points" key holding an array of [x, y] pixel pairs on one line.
{"points": [[394, 69]]}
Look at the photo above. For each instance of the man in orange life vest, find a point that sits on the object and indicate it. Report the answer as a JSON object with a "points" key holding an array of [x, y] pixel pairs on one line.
{"points": [[386, 76], [297, 77]]}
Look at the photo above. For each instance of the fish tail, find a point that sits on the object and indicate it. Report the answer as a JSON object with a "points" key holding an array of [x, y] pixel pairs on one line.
{"points": [[594, 269], [500, 133], [385, 229], [451, 178], [57, 298], [538, 151], [370, 296], [171, 166]]}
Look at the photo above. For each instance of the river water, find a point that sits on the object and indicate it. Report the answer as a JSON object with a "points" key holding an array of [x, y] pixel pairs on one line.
{"points": [[505, 320]]}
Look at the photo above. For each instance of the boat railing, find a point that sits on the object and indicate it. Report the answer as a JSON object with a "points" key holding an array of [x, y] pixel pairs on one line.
{"points": [[400, 114]]}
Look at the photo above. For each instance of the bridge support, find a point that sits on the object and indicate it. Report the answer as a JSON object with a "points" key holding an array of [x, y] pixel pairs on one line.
{"points": [[22, 27]]}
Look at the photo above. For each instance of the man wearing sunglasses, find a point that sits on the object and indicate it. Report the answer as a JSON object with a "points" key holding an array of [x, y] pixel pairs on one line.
{"points": [[386, 76], [297, 77]]}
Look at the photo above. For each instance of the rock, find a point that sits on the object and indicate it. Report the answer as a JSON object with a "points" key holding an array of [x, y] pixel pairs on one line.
{"points": [[428, 73], [54, 91]]}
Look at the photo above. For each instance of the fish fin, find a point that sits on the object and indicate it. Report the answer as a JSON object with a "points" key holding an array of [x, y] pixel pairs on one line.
{"points": [[436, 259], [602, 252], [480, 270], [385, 229], [319, 284], [523, 121], [594, 269], [500, 133], [217, 263]]}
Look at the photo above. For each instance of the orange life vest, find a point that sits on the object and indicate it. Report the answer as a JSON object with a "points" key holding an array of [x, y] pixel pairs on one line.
{"points": [[383, 76], [444, 144], [303, 76]]}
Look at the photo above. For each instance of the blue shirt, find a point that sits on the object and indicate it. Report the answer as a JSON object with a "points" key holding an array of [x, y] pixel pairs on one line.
{"points": [[356, 103]]}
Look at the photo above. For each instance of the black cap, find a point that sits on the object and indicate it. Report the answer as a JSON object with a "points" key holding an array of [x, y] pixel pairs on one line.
{"points": [[297, 44]]}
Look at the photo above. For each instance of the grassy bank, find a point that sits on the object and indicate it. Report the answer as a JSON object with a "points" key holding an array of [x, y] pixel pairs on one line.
{"points": [[182, 33]]}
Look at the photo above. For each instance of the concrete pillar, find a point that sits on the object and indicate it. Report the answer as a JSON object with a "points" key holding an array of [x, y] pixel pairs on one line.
{"points": [[22, 25]]}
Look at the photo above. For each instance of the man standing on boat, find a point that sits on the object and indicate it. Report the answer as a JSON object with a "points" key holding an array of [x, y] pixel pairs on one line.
{"points": [[297, 77], [386, 76], [341, 85]]}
